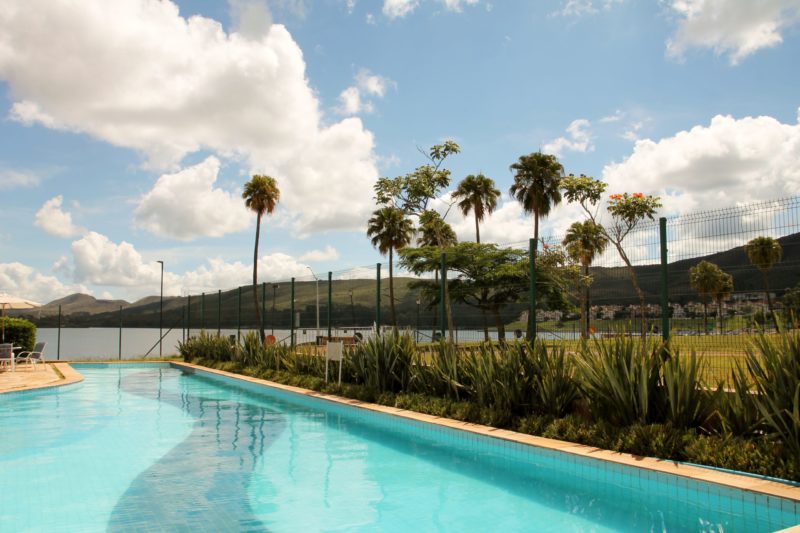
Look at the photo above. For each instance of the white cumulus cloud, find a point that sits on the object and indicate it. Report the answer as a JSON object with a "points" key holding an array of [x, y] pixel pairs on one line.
{"points": [[26, 281], [734, 27], [401, 8], [185, 205], [12, 179], [731, 161], [579, 139], [356, 98], [170, 86], [318, 256], [55, 221]]}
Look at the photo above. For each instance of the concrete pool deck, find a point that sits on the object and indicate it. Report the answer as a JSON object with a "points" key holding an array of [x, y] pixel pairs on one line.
{"points": [[38, 376]]}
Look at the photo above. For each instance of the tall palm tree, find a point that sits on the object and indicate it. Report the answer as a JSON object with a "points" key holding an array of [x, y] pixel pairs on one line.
{"points": [[434, 231], [584, 241], [537, 180], [764, 252], [261, 195], [479, 195], [390, 230], [710, 281]]}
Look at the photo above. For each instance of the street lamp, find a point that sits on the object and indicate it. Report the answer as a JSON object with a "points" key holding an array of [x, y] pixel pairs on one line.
{"points": [[352, 310], [317, 280], [161, 311]]}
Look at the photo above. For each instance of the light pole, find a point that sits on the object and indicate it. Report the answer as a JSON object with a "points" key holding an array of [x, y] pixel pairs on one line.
{"points": [[352, 310], [161, 310], [317, 280]]}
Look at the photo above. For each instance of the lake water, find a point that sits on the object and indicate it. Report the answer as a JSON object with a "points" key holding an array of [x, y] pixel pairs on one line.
{"points": [[104, 343]]}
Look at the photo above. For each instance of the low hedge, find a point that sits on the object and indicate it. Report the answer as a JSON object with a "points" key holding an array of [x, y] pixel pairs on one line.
{"points": [[757, 455], [20, 332]]}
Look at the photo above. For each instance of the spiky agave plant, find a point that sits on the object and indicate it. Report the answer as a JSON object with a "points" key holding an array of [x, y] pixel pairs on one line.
{"points": [[620, 379], [774, 364]]}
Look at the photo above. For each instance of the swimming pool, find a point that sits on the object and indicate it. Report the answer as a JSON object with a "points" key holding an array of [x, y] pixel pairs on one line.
{"points": [[148, 447]]}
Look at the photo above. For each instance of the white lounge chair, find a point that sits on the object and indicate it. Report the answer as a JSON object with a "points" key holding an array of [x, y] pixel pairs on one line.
{"points": [[36, 356], [7, 354]]}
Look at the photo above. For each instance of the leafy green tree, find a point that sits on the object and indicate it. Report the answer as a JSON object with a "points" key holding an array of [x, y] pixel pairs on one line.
{"points": [[489, 277], [537, 182], [261, 195], [791, 303], [390, 230], [477, 194], [711, 282], [413, 192], [584, 242], [627, 212], [763, 253]]}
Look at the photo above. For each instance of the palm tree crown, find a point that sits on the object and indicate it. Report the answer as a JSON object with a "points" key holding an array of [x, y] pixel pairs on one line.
{"points": [[261, 195], [478, 195], [763, 252], [434, 231], [584, 241], [537, 180]]}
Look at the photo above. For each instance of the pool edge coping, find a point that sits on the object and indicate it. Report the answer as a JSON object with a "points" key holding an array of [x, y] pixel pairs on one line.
{"points": [[697, 473], [70, 377]]}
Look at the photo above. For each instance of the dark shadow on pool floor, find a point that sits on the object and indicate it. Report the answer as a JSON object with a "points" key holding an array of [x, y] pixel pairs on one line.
{"points": [[201, 484]]}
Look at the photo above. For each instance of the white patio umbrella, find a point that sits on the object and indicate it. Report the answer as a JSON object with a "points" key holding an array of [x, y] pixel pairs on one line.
{"points": [[13, 302]]}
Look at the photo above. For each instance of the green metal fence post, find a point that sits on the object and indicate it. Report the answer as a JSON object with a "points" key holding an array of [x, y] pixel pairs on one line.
{"points": [[330, 302], [291, 317], [203, 312], [120, 334], [662, 226], [532, 304], [378, 298], [187, 317], [58, 343], [263, 305], [239, 314], [442, 306], [219, 312]]}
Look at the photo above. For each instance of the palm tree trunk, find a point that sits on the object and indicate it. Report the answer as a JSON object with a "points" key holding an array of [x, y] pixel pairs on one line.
{"points": [[255, 278], [719, 315], [705, 318], [391, 289], [501, 327], [477, 230], [584, 303], [769, 301], [484, 292]]}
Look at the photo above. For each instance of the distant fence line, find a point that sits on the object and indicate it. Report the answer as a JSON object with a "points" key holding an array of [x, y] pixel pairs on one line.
{"points": [[662, 251]]}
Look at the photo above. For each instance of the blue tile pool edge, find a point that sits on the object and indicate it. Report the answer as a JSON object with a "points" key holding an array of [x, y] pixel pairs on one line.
{"points": [[606, 459]]}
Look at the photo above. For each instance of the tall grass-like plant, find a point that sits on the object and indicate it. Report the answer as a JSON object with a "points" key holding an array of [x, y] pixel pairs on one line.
{"points": [[620, 379], [555, 387], [440, 372], [774, 364], [383, 362], [206, 346], [688, 403], [736, 409]]}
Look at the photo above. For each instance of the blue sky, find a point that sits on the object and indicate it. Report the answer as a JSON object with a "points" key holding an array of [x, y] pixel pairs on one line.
{"points": [[130, 126]]}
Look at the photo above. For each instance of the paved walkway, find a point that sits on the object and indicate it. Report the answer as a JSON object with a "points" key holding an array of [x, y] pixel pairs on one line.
{"points": [[29, 376]]}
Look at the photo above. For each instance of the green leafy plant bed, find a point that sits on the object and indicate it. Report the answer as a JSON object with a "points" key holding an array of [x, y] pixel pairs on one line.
{"points": [[621, 395]]}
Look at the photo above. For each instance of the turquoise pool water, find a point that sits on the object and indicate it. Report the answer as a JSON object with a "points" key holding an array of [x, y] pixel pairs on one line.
{"points": [[144, 448]]}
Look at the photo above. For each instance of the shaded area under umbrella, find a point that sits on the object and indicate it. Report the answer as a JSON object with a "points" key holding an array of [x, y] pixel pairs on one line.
{"points": [[13, 302]]}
